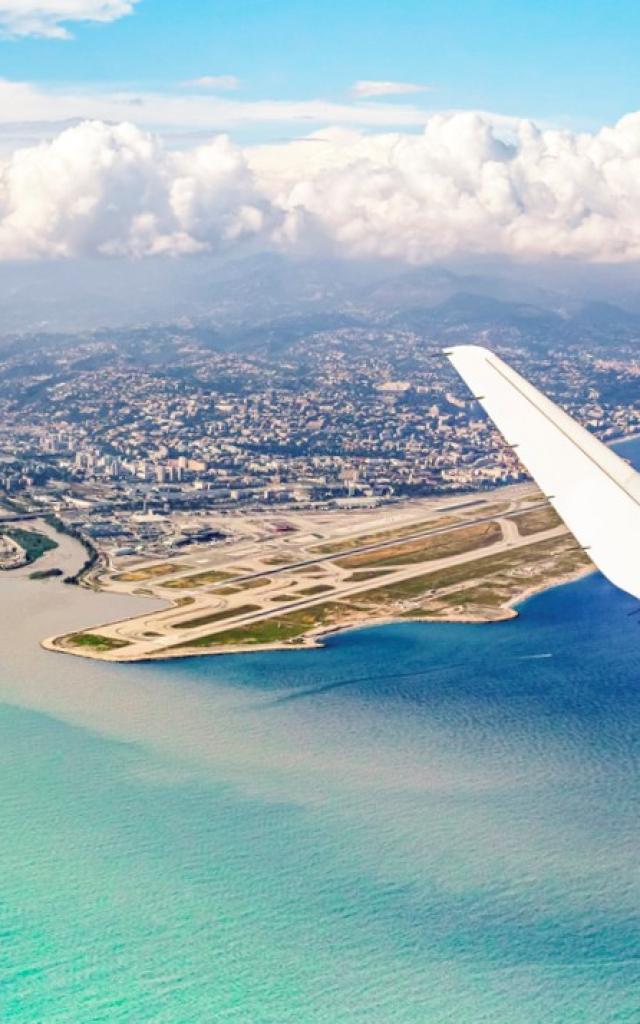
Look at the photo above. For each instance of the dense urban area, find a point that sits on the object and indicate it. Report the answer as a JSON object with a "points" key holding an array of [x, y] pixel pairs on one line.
{"points": [[114, 430]]}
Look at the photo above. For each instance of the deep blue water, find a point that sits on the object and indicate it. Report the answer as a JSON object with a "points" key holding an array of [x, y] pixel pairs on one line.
{"points": [[422, 823]]}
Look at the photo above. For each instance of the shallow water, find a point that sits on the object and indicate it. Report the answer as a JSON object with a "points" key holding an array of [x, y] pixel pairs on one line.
{"points": [[421, 824]]}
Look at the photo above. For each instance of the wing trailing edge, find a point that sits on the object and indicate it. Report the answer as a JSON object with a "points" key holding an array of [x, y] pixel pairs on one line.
{"points": [[594, 491]]}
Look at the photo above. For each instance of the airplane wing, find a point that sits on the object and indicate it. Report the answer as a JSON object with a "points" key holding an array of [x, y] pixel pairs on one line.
{"points": [[595, 492]]}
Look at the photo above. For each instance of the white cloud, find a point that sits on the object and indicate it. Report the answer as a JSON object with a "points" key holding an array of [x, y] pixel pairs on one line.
{"points": [[460, 186], [366, 88], [115, 190], [227, 83], [50, 17], [22, 101]]}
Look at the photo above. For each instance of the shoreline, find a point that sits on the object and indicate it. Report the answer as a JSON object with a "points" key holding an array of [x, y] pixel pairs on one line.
{"points": [[314, 640], [625, 439]]}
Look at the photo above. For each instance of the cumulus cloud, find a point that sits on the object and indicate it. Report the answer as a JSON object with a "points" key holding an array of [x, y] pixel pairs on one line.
{"points": [[50, 17], [227, 83], [115, 190], [366, 88], [463, 185]]}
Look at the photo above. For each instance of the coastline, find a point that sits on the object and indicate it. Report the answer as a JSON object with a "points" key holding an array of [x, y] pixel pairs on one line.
{"points": [[625, 440], [63, 607], [315, 638], [514, 549]]}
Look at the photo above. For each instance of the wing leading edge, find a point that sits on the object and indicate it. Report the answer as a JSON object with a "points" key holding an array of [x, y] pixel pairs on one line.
{"points": [[595, 492]]}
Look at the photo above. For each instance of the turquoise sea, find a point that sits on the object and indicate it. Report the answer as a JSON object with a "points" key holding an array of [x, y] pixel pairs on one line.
{"points": [[421, 824]]}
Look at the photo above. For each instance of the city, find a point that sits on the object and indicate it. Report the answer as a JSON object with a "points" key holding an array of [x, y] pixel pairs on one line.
{"points": [[121, 434], [319, 512]]}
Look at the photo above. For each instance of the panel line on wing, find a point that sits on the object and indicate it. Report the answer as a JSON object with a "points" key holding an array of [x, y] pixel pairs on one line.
{"points": [[564, 433], [567, 461]]}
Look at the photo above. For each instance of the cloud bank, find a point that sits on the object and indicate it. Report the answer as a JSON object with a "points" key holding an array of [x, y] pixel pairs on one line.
{"points": [[195, 105], [458, 187], [49, 17], [116, 191]]}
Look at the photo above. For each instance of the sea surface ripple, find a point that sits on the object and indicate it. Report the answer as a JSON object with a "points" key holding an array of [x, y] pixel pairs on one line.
{"points": [[421, 824]]}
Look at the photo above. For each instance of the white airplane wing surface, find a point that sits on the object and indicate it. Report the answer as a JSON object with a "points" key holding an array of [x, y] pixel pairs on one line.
{"points": [[595, 492]]}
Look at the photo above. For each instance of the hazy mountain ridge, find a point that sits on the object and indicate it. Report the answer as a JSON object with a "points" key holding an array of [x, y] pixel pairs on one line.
{"points": [[267, 303]]}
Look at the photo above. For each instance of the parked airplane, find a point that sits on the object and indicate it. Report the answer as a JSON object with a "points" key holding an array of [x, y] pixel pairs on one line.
{"points": [[594, 491]]}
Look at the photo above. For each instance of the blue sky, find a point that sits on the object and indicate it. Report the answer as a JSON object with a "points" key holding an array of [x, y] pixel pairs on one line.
{"points": [[568, 63], [393, 129]]}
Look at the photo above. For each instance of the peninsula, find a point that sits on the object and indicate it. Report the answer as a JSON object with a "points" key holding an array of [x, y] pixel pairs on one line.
{"points": [[287, 580]]}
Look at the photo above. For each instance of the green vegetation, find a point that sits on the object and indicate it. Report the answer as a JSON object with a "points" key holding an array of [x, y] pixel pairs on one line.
{"points": [[537, 520], [481, 585], [362, 575], [228, 613], [407, 589], [437, 523], [267, 631], [319, 588], [340, 547], [444, 545], [35, 544], [484, 597], [200, 579], [284, 597], [92, 554], [487, 598], [253, 584], [274, 630], [45, 574], [96, 642], [511, 564], [149, 572]]}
